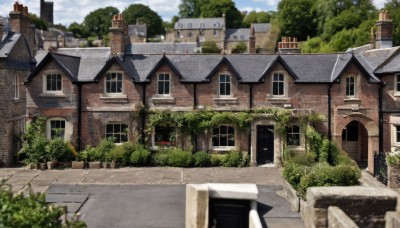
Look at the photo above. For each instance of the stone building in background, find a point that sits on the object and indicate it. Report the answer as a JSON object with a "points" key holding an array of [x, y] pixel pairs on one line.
{"points": [[46, 11]]}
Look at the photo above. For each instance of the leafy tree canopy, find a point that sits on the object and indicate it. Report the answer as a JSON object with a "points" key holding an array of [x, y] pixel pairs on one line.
{"points": [[39, 23], [98, 22], [144, 14], [393, 6], [256, 17], [210, 46], [215, 8], [191, 8]]}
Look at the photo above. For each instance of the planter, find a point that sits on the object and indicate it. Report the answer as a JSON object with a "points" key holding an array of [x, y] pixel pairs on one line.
{"points": [[34, 166], [115, 165], [64, 164], [51, 164], [43, 166], [106, 165], [78, 165], [95, 165]]}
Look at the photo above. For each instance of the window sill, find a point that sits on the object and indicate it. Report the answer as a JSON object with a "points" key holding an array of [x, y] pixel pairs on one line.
{"points": [[61, 95], [163, 100], [278, 99], [226, 100], [352, 100], [223, 148], [119, 99]]}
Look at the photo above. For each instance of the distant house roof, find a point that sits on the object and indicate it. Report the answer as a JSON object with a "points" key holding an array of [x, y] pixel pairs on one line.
{"points": [[160, 48], [261, 27], [241, 34], [137, 30], [200, 23]]}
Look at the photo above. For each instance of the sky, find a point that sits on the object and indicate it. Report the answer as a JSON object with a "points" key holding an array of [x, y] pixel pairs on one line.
{"points": [[68, 11]]}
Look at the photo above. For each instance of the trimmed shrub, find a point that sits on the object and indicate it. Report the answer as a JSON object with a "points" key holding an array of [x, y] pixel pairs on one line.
{"points": [[232, 159], [116, 154], [58, 150], [201, 159], [245, 160], [179, 158], [160, 158], [216, 159], [140, 155], [307, 159], [106, 145]]}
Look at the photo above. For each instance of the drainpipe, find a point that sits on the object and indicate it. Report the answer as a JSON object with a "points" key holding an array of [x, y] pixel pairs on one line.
{"points": [[251, 96], [330, 123], [194, 135], [143, 115], [79, 115], [380, 101]]}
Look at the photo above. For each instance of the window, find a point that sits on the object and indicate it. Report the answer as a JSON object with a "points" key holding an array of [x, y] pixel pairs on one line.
{"points": [[223, 136], [189, 34], [293, 135], [235, 37], [117, 131], [15, 87], [215, 32], [202, 25], [114, 83], [164, 136], [397, 134], [397, 84], [350, 87], [163, 84], [57, 129], [53, 83], [224, 85], [278, 85]]}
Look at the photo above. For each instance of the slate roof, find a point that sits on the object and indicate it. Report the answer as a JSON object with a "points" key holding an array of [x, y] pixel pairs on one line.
{"points": [[376, 57], [253, 67], [200, 23], [159, 48], [241, 34], [8, 43], [137, 30], [261, 27]]}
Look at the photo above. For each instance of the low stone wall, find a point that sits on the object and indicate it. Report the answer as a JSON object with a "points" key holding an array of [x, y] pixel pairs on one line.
{"points": [[366, 206], [338, 219], [290, 195], [393, 176]]}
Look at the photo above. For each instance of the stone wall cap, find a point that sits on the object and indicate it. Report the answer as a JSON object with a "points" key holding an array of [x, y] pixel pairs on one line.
{"points": [[233, 191], [350, 191]]}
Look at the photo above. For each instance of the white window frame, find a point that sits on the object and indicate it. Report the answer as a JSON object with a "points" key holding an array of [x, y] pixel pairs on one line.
{"points": [[49, 129], [354, 84], [290, 131], [107, 81], [164, 81], [227, 147], [113, 133], [15, 82], [60, 91], [278, 81], [396, 87], [230, 85]]}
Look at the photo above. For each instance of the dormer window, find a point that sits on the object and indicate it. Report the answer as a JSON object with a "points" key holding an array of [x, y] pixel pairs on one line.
{"points": [[190, 25], [113, 84], [278, 85], [202, 25], [53, 83], [224, 85], [350, 86]]}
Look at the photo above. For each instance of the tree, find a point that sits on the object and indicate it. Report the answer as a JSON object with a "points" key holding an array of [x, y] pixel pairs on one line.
{"points": [[98, 22], [256, 17], [241, 47], [39, 23], [76, 29], [393, 6], [296, 19], [191, 8], [144, 14], [210, 47], [215, 8]]}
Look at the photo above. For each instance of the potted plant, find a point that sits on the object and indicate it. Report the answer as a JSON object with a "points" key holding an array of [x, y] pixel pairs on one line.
{"points": [[94, 158], [81, 159], [115, 156]]}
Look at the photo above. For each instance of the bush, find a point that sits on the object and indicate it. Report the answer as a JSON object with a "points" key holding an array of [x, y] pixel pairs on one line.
{"points": [[140, 156], [307, 159], [216, 159], [58, 150], [128, 150], [89, 154], [293, 172], [245, 159], [201, 159], [160, 158], [232, 159], [116, 154], [179, 158], [106, 145]]}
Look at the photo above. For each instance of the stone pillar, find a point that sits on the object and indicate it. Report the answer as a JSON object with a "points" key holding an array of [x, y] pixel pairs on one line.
{"points": [[393, 176]]}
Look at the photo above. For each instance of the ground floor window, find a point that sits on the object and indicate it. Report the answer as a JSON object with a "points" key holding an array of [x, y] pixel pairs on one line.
{"points": [[56, 128], [117, 131], [293, 135], [223, 136], [164, 136], [397, 134]]}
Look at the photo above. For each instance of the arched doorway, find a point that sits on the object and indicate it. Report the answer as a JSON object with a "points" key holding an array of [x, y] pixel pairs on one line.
{"points": [[355, 141]]}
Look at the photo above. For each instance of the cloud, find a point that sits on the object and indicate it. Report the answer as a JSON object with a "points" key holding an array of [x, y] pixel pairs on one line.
{"points": [[270, 3], [249, 9]]}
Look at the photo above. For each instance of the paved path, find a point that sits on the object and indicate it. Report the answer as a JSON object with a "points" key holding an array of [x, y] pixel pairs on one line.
{"points": [[39, 181]]}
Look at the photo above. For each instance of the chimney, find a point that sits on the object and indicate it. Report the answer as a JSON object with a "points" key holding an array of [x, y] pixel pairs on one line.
{"points": [[19, 23], [288, 45], [372, 38], [118, 34], [252, 40], [384, 31]]}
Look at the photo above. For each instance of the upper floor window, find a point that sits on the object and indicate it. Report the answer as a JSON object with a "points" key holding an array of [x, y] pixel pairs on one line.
{"points": [[53, 83], [114, 83], [224, 85], [56, 128], [215, 32], [223, 136], [278, 85], [293, 135], [117, 131], [350, 86], [164, 84], [15, 87], [397, 84]]}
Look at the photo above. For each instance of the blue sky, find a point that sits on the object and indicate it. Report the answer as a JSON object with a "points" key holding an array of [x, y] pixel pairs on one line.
{"points": [[68, 11]]}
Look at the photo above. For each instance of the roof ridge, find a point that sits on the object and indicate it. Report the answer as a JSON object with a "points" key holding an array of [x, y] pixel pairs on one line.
{"points": [[73, 56]]}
